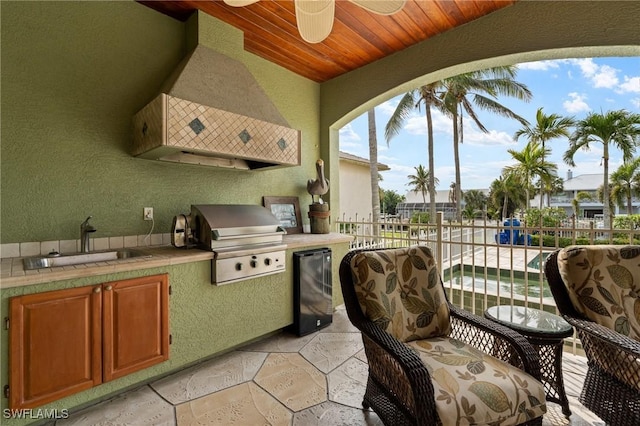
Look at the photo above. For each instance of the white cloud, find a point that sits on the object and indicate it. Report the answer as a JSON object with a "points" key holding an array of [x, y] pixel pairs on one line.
{"points": [[493, 138], [417, 123], [636, 102], [401, 168], [480, 176], [631, 84], [601, 76], [586, 65], [576, 103], [387, 108], [606, 77], [539, 65], [387, 159], [348, 135]]}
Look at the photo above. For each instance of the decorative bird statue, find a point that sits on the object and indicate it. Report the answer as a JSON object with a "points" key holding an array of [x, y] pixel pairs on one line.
{"points": [[319, 186]]}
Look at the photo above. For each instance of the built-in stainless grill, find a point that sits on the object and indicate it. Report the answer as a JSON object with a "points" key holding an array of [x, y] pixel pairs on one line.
{"points": [[246, 240]]}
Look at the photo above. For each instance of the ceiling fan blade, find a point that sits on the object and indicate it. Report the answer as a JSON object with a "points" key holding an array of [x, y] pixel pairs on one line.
{"points": [[240, 3], [381, 7], [314, 19]]}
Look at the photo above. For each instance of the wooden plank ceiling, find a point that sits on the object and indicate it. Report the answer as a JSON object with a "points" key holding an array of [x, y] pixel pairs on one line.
{"points": [[358, 36]]}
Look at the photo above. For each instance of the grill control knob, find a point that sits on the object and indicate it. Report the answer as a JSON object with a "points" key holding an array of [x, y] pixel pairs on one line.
{"points": [[238, 266], [267, 261], [253, 263]]}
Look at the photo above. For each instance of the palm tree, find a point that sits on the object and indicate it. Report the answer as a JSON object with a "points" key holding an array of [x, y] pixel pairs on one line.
{"points": [[546, 127], [427, 95], [549, 187], [373, 167], [618, 128], [580, 197], [625, 182], [420, 181], [611, 202], [483, 87], [453, 193], [531, 164], [506, 190], [476, 199], [469, 212], [380, 190]]}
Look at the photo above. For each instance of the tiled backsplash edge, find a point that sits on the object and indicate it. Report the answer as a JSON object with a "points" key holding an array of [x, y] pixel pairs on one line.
{"points": [[37, 248]]}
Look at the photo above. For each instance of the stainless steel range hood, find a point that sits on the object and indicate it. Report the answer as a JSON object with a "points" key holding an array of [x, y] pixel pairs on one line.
{"points": [[213, 112]]}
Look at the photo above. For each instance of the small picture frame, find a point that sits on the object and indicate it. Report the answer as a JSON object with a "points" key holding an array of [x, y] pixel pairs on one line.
{"points": [[287, 211]]}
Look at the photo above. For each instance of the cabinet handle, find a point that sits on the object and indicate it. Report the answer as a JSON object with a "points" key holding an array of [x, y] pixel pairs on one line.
{"points": [[97, 290], [108, 288]]}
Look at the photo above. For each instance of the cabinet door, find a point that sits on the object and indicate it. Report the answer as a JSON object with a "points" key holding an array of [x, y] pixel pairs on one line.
{"points": [[136, 325], [55, 345]]}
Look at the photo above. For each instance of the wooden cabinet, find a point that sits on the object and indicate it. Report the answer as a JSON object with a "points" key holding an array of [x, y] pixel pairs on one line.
{"points": [[135, 330], [55, 345], [66, 341]]}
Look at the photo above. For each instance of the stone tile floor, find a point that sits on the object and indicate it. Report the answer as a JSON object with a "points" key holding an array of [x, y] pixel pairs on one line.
{"points": [[317, 379]]}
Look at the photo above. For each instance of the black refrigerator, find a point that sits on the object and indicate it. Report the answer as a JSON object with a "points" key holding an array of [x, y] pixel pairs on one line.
{"points": [[312, 303]]}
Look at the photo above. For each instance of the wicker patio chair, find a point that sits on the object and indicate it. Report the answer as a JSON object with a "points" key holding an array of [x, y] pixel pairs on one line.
{"points": [[597, 290], [431, 363]]}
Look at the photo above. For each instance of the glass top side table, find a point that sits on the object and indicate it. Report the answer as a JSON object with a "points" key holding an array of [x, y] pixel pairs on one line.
{"points": [[545, 331]]}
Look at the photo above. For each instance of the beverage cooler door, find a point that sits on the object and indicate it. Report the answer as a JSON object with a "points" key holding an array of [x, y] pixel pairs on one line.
{"points": [[312, 287]]}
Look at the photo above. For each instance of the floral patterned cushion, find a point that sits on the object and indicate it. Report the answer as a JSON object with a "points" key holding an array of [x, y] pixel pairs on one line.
{"points": [[603, 283], [473, 388], [400, 290]]}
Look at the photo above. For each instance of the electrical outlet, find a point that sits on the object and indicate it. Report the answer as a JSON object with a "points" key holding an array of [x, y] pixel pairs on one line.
{"points": [[147, 213]]}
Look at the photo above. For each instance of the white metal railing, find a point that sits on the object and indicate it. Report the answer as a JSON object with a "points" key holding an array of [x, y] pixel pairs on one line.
{"points": [[484, 263]]}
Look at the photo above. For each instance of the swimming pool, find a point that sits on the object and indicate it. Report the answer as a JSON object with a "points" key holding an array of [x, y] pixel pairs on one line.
{"points": [[490, 285], [535, 262]]}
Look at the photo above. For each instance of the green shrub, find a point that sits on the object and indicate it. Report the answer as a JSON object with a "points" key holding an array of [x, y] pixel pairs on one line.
{"points": [[422, 217], [631, 221], [550, 241], [348, 228], [551, 217]]}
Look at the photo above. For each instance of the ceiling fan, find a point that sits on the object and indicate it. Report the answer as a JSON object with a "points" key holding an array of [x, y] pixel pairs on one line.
{"points": [[315, 17]]}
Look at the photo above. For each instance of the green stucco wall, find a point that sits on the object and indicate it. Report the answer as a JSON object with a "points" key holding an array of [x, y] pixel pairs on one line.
{"points": [[73, 76]]}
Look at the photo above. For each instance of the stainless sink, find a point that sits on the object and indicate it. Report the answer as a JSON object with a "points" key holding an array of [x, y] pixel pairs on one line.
{"points": [[54, 259]]}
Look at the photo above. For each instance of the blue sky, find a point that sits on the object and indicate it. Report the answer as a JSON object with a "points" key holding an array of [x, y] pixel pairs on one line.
{"points": [[571, 87]]}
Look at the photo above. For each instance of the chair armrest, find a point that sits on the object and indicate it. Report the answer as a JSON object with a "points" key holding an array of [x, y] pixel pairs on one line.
{"points": [[608, 336], [609, 351], [398, 368], [466, 326]]}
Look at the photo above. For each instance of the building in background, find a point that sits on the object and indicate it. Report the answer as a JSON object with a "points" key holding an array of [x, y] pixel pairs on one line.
{"points": [[589, 208], [355, 186]]}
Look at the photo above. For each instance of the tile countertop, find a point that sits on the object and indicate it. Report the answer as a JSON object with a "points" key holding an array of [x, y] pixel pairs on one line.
{"points": [[14, 275]]}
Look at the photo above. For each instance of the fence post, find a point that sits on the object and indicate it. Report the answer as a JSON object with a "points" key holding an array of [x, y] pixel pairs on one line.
{"points": [[439, 218]]}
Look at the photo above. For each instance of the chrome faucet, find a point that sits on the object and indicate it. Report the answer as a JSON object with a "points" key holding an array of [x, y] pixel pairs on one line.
{"points": [[85, 230]]}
